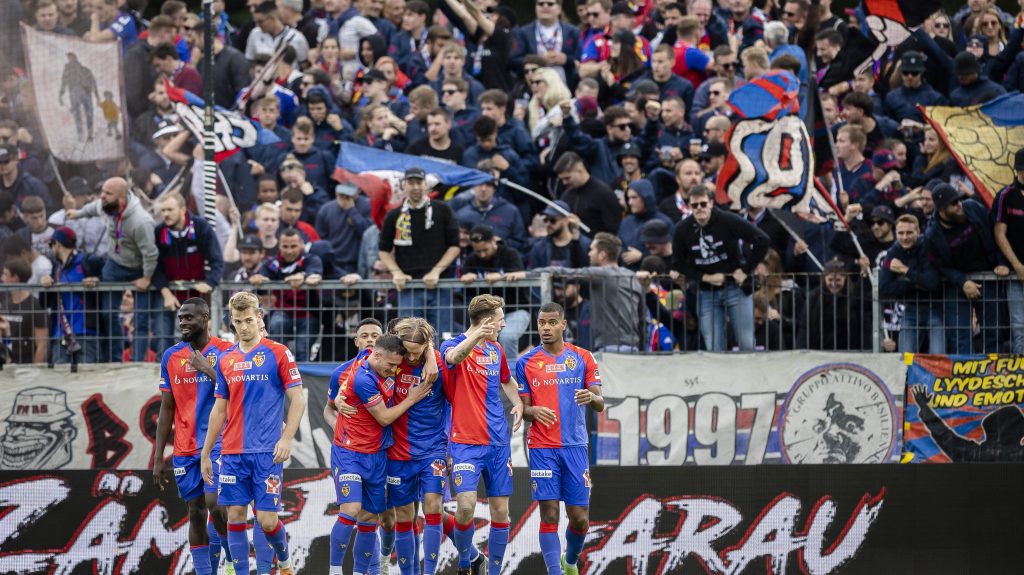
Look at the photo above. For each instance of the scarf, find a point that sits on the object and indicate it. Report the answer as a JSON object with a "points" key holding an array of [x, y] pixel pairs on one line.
{"points": [[188, 231], [403, 226]]}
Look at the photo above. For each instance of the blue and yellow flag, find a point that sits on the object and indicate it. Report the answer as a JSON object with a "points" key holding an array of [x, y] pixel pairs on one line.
{"points": [[983, 139]]}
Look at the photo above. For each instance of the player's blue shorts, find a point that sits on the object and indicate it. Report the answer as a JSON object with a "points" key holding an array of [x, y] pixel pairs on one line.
{"points": [[561, 474], [252, 477], [493, 461], [409, 480], [360, 477], [189, 476]]}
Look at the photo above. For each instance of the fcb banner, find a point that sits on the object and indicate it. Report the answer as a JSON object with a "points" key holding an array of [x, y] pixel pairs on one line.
{"points": [[983, 139], [731, 409], [964, 408], [812, 519], [80, 103]]}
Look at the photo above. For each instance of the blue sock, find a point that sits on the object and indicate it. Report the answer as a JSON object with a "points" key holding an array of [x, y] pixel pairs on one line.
{"points": [[341, 534], [375, 560], [279, 540], [201, 559], [551, 548], [573, 544], [417, 541], [364, 547], [405, 542], [387, 542], [464, 543], [215, 544], [432, 533], [497, 541], [238, 540], [264, 550]]}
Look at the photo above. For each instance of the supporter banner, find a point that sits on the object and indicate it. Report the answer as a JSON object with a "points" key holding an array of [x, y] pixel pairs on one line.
{"points": [[76, 84], [964, 408], [814, 519], [983, 139], [722, 409]]}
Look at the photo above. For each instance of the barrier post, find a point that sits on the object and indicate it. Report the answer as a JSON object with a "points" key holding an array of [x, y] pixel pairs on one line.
{"points": [[876, 314]]}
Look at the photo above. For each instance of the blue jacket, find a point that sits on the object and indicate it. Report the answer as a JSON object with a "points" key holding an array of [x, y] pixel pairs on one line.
{"points": [[502, 216], [901, 103], [525, 42], [982, 90], [76, 304], [629, 229], [978, 215], [462, 126], [599, 153], [920, 280], [514, 135], [343, 229], [540, 254], [516, 170], [675, 87]]}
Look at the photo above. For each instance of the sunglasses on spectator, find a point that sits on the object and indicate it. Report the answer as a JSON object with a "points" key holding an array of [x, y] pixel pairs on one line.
{"points": [[625, 126], [593, 15], [990, 24], [477, 238], [878, 222], [910, 72], [975, 44], [700, 204], [728, 65], [789, 14], [942, 24]]}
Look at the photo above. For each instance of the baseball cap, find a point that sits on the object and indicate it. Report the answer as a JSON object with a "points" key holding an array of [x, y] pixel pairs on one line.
{"points": [[346, 190], [551, 212], [978, 40], [1018, 160], [713, 150], [629, 149], [945, 195], [884, 213], [166, 129], [65, 236], [965, 63], [78, 186], [884, 159], [374, 75], [656, 232], [250, 242], [912, 61], [621, 8], [647, 87], [8, 153], [414, 173], [481, 233]]}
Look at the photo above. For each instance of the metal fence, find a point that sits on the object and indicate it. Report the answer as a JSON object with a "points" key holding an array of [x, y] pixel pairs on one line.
{"points": [[606, 311]]}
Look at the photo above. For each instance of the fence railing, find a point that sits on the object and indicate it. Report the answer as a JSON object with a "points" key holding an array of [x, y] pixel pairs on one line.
{"points": [[617, 311]]}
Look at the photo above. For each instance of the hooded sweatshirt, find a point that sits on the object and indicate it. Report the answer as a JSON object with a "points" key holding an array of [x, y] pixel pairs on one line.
{"points": [[132, 240], [629, 229]]}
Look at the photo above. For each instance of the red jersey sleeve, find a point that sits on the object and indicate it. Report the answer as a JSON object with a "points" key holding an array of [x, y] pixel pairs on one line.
{"points": [[505, 375], [286, 367], [593, 374]]}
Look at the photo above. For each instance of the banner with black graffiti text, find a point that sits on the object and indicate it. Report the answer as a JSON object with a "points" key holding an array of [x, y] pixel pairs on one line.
{"points": [[724, 409], [812, 519]]}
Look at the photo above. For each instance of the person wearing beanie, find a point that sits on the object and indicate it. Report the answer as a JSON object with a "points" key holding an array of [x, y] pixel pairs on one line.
{"points": [[975, 87]]}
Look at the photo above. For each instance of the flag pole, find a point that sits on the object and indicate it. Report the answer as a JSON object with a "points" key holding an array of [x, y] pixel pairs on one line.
{"points": [[796, 237], [547, 201], [209, 157]]}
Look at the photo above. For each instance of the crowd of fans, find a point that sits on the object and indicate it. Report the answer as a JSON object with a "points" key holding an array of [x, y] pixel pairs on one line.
{"points": [[616, 111]]}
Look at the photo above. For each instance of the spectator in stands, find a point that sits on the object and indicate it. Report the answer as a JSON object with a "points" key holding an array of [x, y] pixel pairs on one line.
{"points": [[656, 235], [139, 74], [454, 94], [850, 143], [690, 63], [75, 320], [47, 20], [502, 158], [293, 317], [19, 184], [73, 17], [552, 38], [725, 66], [502, 218], [453, 64], [271, 32], [1008, 210], [934, 161], [707, 249], [543, 109], [301, 194], [9, 220], [908, 274], [838, 313], [718, 107], [342, 225], [166, 61], [901, 103], [438, 143], [642, 208], [600, 152], [91, 233], [874, 244], [133, 259], [629, 158], [160, 111], [379, 128], [883, 185], [17, 247], [562, 246], [859, 110], [670, 84], [511, 132], [420, 240], [189, 252], [492, 260], [974, 87], [250, 257], [687, 175], [317, 162], [422, 100], [36, 230], [22, 318], [961, 239], [230, 68], [268, 223], [328, 126], [109, 23], [712, 158], [588, 197], [267, 112]]}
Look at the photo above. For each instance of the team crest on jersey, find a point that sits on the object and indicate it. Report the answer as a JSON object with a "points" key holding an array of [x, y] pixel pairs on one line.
{"points": [[439, 467], [273, 485], [458, 481], [213, 359], [258, 359], [570, 362]]}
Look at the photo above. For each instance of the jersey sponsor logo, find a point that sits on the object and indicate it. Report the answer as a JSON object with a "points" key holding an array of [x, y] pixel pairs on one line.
{"points": [[542, 473], [387, 385], [410, 379], [570, 361], [227, 479], [294, 373], [464, 467], [394, 480], [179, 471], [490, 359], [350, 477], [273, 484], [556, 367], [242, 366]]}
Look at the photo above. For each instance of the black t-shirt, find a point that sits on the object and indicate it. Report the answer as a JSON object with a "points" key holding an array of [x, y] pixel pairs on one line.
{"points": [[967, 248], [1009, 209], [505, 260], [495, 60], [418, 249], [23, 318], [423, 148]]}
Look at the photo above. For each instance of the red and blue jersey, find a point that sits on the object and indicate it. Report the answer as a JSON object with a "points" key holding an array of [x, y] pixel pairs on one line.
{"points": [[420, 432], [474, 390], [192, 391], [340, 377], [254, 385], [361, 432], [552, 382], [596, 46]]}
